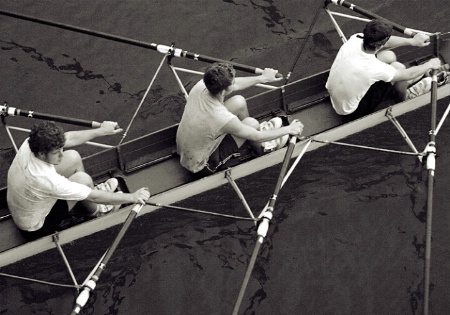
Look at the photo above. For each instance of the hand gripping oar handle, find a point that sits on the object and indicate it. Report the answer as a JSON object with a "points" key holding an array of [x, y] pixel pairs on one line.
{"points": [[371, 15], [91, 283], [12, 111], [264, 225]]}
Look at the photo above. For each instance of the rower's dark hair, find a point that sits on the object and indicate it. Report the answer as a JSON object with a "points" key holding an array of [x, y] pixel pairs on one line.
{"points": [[218, 77], [45, 137], [376, 34]]}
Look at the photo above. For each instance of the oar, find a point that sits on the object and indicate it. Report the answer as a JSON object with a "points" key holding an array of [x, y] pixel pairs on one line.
{"points": [[303, 45], [12, 111], [160, 48], [366, 13], [264, 225], [431, 165], [92, 282]]}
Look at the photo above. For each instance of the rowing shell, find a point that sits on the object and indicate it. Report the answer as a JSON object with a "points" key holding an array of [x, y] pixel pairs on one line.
{"points": [[15, 249]]}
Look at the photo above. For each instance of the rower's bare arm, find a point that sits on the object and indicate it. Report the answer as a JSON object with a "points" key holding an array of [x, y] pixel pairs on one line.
{"points": [[419, 40], [268, 75], [110, 198], [243, 131], [416, 71], [74, 138]]}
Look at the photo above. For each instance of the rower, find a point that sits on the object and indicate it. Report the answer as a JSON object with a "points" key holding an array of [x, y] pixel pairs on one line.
{"points": [[45, 182], [213, 129], [366, 72]]}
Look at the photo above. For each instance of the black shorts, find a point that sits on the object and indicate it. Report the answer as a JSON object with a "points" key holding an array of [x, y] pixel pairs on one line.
{"points": [[377, 93], [224, 156], [59, 212]]}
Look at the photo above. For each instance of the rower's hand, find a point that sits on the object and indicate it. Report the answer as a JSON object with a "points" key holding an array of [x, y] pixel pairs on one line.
{"points": [[141, 195], [269, 75], [295, 128], [420, 40], [110, 128], [434, 63]]}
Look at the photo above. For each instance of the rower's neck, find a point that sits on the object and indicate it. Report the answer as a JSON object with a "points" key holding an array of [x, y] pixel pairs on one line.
{"points": [[221, 96], [367, 51]]}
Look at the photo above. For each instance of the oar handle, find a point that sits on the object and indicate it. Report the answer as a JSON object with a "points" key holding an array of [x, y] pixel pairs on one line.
{"points": [[12, 111], [371, 15]]}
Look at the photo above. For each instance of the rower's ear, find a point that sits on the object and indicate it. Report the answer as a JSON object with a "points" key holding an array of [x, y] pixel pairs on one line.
{"points": [[41, 155]]}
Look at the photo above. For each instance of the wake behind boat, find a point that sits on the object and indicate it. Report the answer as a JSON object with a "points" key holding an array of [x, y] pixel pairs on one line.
{"points": [[153, 155]]}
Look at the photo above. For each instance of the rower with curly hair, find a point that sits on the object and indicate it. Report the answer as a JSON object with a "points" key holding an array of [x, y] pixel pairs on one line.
{"points": [[45, 181]]}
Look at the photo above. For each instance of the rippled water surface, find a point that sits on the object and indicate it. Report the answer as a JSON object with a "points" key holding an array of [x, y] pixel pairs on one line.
{"points": [[348, 232]]}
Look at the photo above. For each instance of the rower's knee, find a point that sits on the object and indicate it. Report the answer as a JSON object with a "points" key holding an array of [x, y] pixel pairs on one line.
{"points": [[82, 178], [70, 164], [387, 56], [72, 156], [252, 122], [238, 101], [238, 106]]}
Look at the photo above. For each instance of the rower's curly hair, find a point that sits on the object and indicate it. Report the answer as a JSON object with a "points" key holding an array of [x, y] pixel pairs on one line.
{"points": [[45, 137], [218, 77], [376, 34]]}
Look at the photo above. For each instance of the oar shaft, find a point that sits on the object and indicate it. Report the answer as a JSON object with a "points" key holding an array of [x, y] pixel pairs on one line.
{"points": [[371, 15], [431, 166], [264, 225], [90, 285], [267, 214], [433, 106], [177, 52], [209, 59], [285, 165], [161, 48], [12, 111], [79, 30], [121, 233], [428, 235], [248, 274]]}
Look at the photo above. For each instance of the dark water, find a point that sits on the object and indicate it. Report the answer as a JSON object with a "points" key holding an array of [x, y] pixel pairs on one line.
{"points": [[348, 231]]}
